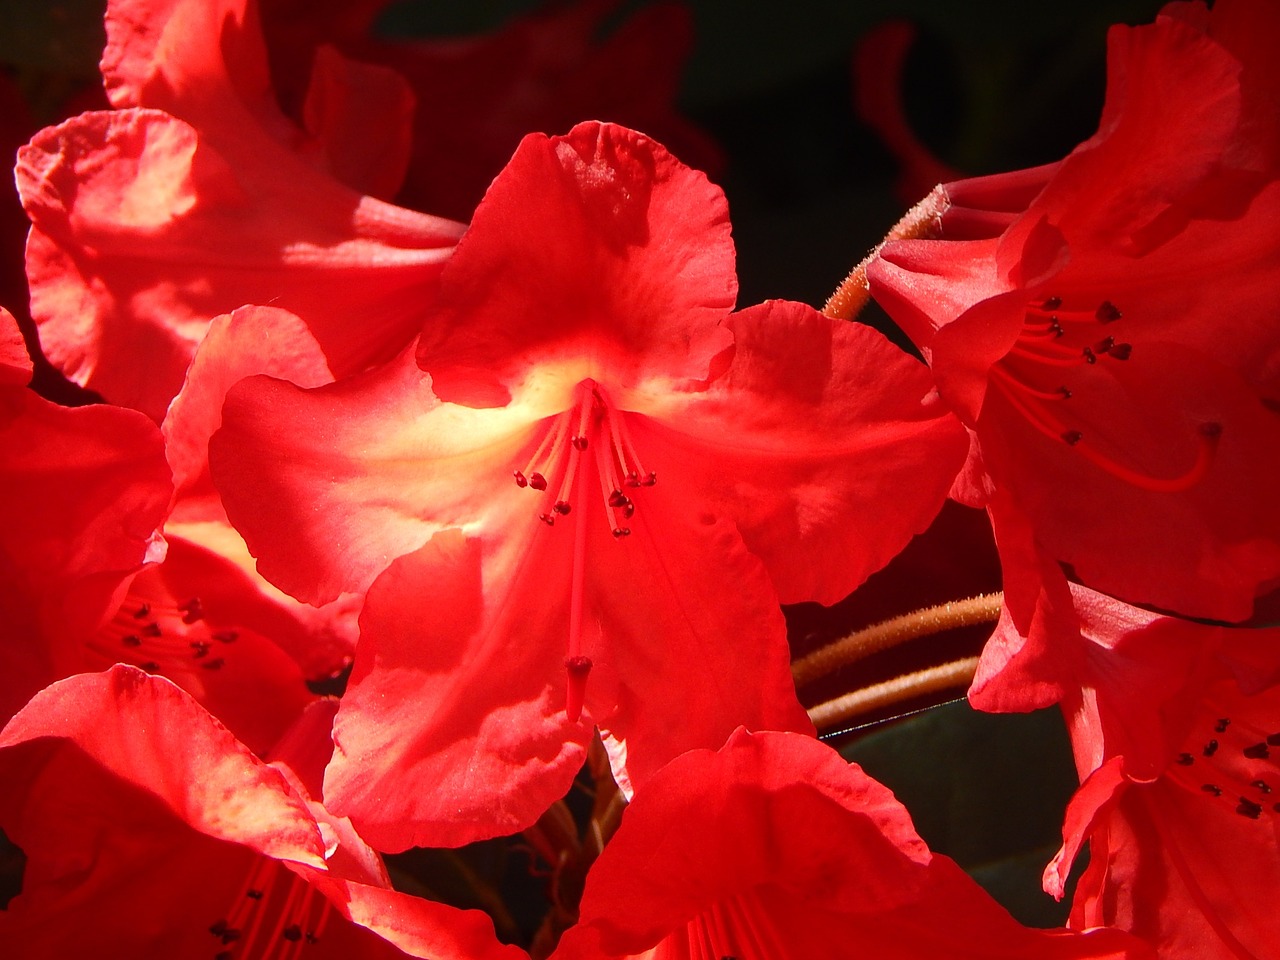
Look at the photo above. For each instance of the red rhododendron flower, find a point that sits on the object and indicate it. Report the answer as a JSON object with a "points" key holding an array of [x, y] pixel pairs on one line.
{"points": [[775, 849], [478, 96], [602, 474], [89, 582], [1105, 327], [85, 491], [196, 196], [1178, 802], [149, 831]]}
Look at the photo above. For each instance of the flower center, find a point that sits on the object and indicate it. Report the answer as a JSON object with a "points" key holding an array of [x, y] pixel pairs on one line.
{"points": [[160, 637], [1055, 340], [1232, 763], [591, 433], [274, 916]]}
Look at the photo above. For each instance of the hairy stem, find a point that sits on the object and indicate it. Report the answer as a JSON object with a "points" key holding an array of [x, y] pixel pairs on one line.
{"points": [[984, 608], [921, 221], [947, 676]]}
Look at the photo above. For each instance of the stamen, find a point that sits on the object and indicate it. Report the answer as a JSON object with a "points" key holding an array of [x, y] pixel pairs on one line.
{"points": [[1234, 762], [1062, 393], [617, 464], [157, 635], [529, 475], [1207, 436], [275, 914], [1053, 354], [637, 475]]}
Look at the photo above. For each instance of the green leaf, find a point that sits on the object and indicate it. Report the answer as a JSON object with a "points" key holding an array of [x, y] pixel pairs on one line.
{"points": [[987, 790]]}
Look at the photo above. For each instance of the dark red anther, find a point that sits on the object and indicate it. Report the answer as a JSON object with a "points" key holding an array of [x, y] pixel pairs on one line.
{"points": [[1211, 748], [1066, 392], [537, 481], [1222, 724], [1211, 431], [620, 532], [521, 479], [1186, 759], [151, 630], [226, 636], [200, 648], [1052, 303], [1247, 808], [143, 612], [562, 507], [548, 519], [1107, 312], [1274, 740], [253, 894], [192, 610], [1210, 788], [580, 442], [1105, 344], [292, 933], [617, 498], [1257, 751], [1121, 351], [651, 479], [131, 640], [1072, 437], [150, 666], [629, 509], [215, 664], [1055, 327], [1261, 786], [1089, 355]]}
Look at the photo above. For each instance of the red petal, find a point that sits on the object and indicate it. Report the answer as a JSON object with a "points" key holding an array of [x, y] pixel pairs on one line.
{"points": [[814, 427], [329, 485], [148, 733], [248, 341], [692, 642], [361, 114], [774, 847], [62, 552], [15, 362], [453, 727], [598, 246], [181, 233]]}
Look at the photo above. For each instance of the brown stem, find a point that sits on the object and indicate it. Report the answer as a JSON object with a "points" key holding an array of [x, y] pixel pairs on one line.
{"points": [[984, 608], [948, 675], [921, 221]]}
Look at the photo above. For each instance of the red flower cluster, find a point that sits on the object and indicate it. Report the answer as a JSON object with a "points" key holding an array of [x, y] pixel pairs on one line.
{"points": [[544, 489]]}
